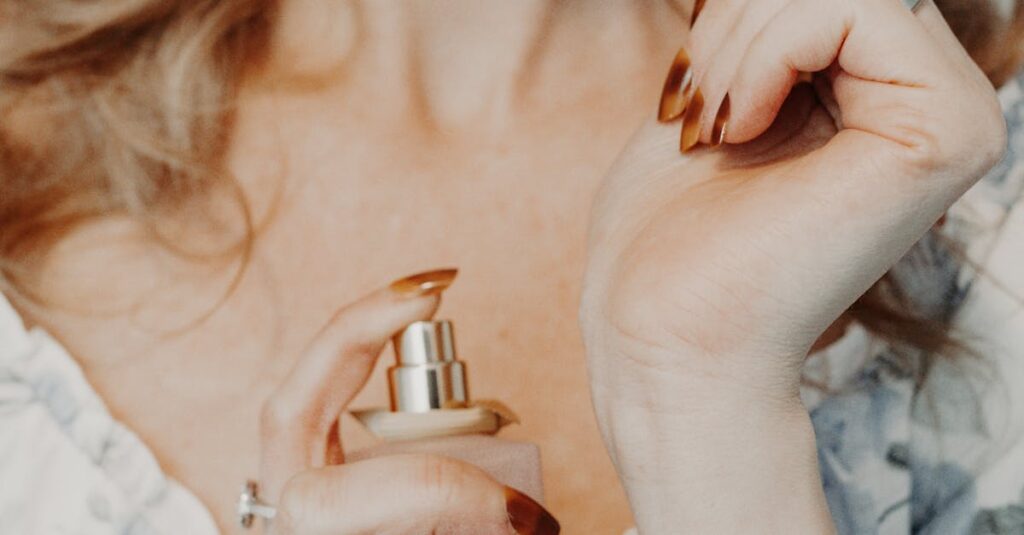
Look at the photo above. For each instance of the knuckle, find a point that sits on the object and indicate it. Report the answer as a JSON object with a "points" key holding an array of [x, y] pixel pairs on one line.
{"points": [[927, 151], [348, 340], [277, 416], [993, 140], [965, 144], [305, 499], [980, 132], [359, 348], [976, 140], [442, 478], [293, 507], [924, 138]]}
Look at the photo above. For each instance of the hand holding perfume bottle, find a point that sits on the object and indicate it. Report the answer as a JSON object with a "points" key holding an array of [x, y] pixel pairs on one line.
{"points": [[431, 412], [310, 485]]}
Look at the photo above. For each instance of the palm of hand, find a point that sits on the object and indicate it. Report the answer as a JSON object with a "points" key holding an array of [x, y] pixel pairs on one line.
{"points": [[724, 253]]}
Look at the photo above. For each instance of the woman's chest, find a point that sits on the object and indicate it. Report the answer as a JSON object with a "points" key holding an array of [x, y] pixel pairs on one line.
{"points": [[332, 223]]}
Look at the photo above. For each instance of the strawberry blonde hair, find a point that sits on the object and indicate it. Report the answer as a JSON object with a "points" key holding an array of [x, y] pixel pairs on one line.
{"points": [[115, 108], [126, 108]]}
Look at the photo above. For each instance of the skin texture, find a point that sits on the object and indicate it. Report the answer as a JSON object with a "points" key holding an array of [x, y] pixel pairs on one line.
{"points": [[469, 134], [366, 160], [695, 345]]}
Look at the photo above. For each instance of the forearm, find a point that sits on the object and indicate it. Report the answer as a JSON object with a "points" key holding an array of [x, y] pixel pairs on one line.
{"points": [[695, 460]]}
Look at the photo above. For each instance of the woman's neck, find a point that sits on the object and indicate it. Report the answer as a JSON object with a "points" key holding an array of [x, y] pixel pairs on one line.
{"points": [[453, 63]]}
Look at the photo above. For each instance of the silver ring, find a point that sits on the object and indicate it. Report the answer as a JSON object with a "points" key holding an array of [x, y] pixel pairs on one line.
{"points": [[250, 506]]}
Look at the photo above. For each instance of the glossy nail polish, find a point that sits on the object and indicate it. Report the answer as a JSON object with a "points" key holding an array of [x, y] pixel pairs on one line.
{"points": [[691, 122], [721, 122], [676, 93], [528, 516], [427, 283], [698, 6], [431, 412]]}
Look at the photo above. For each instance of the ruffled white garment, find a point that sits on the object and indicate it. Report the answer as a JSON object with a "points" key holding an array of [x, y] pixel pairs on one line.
{"points": [[66, 466]]}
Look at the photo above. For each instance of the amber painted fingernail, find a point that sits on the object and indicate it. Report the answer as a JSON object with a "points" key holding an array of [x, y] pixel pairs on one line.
{"points": [[721, 123], [428, 283], [697, 7], [527, 516], [691, 123], [678, 86]]}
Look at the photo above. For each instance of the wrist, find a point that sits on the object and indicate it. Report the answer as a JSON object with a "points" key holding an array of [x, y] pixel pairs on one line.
{"points": [[662, 416], [695, 384], [720, 476], [694, 458]]}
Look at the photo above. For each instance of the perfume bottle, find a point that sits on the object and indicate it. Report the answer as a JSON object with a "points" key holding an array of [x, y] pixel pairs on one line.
{"points": [[431, 412]]}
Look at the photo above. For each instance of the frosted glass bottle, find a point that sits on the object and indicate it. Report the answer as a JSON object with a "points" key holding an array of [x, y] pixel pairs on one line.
{"points": [[431, 413]]}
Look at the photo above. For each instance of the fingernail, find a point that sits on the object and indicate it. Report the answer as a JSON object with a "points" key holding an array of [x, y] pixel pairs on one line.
{"points": [[678, 85], [691, 123], [721, 122], [427, 283], [697, 7], [527, 516]]}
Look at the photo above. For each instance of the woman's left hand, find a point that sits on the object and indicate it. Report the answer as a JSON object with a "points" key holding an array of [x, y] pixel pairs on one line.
{"points": [[710, 276]]}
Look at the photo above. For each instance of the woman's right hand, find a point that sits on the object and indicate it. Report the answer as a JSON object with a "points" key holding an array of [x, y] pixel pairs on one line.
{"points": [[302, 469], [711, 276]]}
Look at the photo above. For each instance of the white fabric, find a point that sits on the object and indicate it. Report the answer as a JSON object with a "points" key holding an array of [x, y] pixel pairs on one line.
{"points": [[66, 466]]}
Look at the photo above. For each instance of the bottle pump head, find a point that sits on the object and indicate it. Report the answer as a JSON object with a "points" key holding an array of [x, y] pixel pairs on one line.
{"points": [[427, 374]]}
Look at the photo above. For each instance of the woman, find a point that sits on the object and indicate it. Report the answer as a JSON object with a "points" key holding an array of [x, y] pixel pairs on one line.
{"points": [[191, 189]]}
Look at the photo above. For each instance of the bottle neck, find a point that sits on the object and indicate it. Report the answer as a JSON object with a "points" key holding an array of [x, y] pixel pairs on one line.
{"points": [[427, 375]]}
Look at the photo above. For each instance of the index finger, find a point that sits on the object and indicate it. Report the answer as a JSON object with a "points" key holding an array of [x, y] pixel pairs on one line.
{"points": [[298, 417]]}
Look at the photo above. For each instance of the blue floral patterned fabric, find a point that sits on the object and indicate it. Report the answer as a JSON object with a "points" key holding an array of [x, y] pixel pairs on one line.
{"points": [[945, 457]]}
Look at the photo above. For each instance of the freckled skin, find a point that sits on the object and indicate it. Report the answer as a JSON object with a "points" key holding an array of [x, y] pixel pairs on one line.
{"points": [[355, 183]]}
